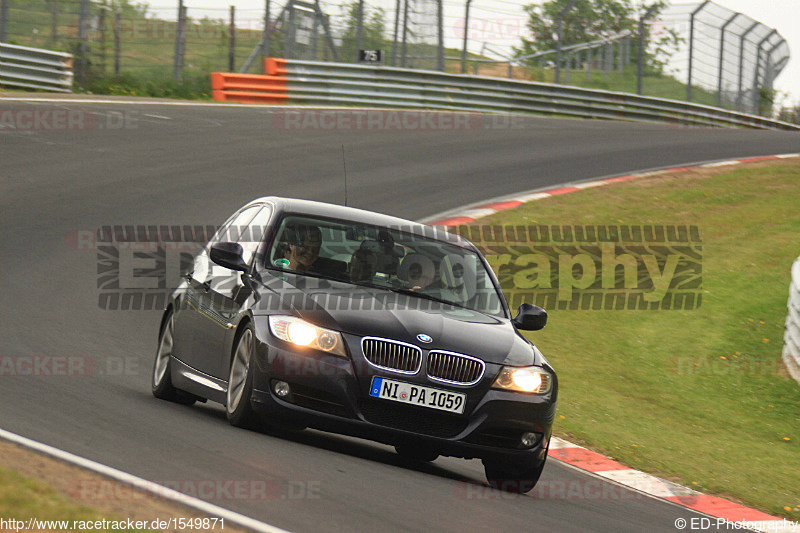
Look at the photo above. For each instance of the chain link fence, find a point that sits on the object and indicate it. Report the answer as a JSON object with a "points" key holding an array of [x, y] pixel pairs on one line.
{"points": [[727, 55], [722, 58]]}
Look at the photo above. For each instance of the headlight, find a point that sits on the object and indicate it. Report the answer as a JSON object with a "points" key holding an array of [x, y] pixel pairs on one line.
{"points": [[302, 333], [532, 379]]}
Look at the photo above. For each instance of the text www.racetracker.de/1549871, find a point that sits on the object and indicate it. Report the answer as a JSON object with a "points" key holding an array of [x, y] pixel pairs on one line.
{"points": [[34, 524]]}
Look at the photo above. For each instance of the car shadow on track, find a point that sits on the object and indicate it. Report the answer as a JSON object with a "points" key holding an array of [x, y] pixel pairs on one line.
{"points": [[352, 446]]}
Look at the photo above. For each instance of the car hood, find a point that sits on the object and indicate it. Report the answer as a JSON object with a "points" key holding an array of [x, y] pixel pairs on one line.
{"points": [[366, 311]]}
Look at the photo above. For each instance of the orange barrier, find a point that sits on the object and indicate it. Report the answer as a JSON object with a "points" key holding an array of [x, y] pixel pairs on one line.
{"points": [[249, 88], [275, 66]]}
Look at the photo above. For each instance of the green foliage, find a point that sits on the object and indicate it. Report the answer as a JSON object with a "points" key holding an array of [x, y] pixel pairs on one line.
{"points": [[374, 30], [591, 20], [766, 101], [588, 20], [192, 86]]}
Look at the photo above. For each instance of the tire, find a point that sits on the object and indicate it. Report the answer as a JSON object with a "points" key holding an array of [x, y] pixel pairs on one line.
{"points": [[416, 453], [161, 382], [512, 478], [240, 383]]}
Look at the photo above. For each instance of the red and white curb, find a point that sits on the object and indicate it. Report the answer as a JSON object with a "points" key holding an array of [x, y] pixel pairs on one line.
{"points": [[471, 213], [599, 465], [739, 516]]}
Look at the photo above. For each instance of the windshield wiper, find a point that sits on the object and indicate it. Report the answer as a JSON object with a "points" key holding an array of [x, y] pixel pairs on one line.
{"points": [[409, 292]]}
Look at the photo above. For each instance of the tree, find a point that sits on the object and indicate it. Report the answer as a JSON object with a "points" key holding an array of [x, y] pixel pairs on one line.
{"points": [[373, 34], [588, 20], [591, 20]]}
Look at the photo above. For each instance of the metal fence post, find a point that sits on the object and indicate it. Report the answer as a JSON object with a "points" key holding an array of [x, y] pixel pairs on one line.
{"points": [[176, 67], [288, 47], [232, 41], [722, 56], [440, 36], [691, 48], [83, 20], [741, 64], [640, 59], [466, 32], [102, 24], [756, 88], [559, 37], [3, 21], [117, 47], [314, 38], [53, 21], [268, 34], [396, 29], [359, 28], [405, 33]]}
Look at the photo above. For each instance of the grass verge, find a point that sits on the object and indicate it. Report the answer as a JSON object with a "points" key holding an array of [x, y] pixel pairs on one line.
{"points": [[35, 486], [696, 396], [22, 498]]}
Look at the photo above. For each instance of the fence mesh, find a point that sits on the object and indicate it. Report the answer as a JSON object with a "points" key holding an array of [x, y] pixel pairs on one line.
{"points": [[728, 59]]}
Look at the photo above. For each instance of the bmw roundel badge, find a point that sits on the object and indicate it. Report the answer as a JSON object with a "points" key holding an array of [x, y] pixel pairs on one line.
{"points": [[424, 338]]}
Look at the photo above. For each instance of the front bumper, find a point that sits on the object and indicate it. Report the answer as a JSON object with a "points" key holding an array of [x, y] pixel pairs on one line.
{"points": [[332, 394]]}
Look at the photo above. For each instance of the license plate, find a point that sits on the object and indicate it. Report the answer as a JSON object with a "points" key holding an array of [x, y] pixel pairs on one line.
{"points": [[400, 391]]}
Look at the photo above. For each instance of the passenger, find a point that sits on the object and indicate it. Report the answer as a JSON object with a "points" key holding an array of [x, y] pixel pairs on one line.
{"points": [[363, 265]]}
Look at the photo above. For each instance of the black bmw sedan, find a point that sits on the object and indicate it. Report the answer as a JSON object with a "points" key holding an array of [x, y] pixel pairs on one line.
{"points": [[304, 314]]}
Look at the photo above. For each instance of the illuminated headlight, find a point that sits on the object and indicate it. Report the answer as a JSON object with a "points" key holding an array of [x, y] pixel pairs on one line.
{"points": [[302, 333], [532, 379]]}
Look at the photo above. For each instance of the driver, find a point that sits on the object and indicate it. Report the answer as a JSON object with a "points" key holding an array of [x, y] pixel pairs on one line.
{"points": [[305, 242]]}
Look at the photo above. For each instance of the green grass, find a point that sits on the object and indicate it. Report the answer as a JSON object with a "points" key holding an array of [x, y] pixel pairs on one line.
{"points": [[657, 85], [697, 396], [22, 498]]}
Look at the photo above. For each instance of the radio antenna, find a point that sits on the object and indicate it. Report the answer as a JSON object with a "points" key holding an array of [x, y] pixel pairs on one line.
{"points": [[344, 165]]}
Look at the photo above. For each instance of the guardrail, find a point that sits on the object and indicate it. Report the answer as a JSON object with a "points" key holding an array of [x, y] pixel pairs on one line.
{"points": [[35, 68], [313, 82], [791, 336]]}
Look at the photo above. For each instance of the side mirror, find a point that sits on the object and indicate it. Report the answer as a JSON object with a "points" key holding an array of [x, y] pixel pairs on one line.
{"points": [[228, 255], [530, 317]]}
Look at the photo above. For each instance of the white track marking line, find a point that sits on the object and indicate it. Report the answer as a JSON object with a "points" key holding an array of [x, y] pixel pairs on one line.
{"points": [[720, 164], [142, 484], [590, 184], [647, 483]]}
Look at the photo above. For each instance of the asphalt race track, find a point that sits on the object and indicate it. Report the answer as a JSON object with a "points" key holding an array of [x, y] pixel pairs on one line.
{"points": [[195, 165]]}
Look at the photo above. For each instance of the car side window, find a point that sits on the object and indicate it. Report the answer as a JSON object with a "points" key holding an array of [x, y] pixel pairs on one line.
{"points": [[228, 232], [237, 225], [251, 237]]}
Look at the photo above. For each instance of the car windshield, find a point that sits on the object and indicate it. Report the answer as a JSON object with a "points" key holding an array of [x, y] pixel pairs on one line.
{"points": [[387, 258]]}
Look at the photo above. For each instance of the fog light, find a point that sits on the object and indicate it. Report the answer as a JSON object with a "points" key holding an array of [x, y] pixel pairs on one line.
{"points": [[529, 439], [281, 388]]}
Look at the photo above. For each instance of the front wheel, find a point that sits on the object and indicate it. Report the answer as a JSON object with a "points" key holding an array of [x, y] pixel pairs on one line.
{"points": [[240, 382], [161, 383], [509, 477]]}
